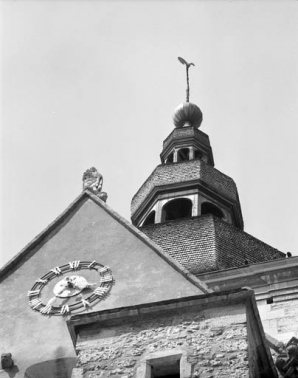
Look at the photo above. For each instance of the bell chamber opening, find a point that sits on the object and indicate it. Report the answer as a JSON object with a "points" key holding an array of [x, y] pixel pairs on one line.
{"points": [[177, 209], [209, 208], [150, 219]]}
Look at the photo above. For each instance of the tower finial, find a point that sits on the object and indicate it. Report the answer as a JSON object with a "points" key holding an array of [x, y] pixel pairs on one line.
{"points": [[181, 60]]}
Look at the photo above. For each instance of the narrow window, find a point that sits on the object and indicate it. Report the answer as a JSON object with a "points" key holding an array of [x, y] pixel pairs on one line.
{"points": [[165, 364], [166, 370]]}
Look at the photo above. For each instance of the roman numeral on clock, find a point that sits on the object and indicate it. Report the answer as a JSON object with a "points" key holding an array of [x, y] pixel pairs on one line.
{"points": [[39, 280], [107, 278], [65, 309], [74, 265], [99, 291], [56, 271], [90, 265], [31, 293], [85, 303], [35, 303], [46, 310], [104, 269]]}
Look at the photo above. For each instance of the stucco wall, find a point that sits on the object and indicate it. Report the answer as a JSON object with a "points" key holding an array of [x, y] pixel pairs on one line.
{"points": [[88, 233]]}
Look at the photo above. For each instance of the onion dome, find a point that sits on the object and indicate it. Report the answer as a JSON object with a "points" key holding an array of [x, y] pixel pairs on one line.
{"points": [[187, 114]]}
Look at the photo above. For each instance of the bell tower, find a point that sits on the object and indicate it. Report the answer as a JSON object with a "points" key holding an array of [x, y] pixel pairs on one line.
{"points": [[186, 184]]}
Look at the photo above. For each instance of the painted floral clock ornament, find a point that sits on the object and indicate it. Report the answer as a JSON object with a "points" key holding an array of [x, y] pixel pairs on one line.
{"points": [[63, 290]]}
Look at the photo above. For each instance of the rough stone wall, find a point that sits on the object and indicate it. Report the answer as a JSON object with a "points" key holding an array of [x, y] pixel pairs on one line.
{"points": [[183, 172], [214, 340]]}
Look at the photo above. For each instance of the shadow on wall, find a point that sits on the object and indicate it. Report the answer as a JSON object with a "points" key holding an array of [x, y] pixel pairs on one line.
{"points": [[59, 368]]}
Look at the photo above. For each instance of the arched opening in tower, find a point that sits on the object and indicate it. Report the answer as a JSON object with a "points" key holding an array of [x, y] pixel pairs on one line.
{"points": [[150, 219], [183, 154], [177, 209], [209, 208], [170, 158], [198, 154]]}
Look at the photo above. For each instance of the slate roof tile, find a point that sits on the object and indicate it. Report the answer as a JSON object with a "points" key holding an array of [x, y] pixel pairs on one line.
{"points": [[206, 243]]}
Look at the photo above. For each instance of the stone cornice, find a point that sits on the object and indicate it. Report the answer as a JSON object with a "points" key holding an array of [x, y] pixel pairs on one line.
{"points": [[117, 315]]}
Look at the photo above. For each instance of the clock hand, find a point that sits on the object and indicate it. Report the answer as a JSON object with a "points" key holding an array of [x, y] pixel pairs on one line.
{"points": [[83, 286], [89, 284], [46, 310]]}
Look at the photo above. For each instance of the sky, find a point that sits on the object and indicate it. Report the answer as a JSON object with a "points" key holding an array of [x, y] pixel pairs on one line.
{"points": [[95, 83]]}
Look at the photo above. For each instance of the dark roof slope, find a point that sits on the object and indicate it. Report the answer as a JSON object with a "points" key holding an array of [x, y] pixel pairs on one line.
{"points": [[234, 246], [206, 243]]}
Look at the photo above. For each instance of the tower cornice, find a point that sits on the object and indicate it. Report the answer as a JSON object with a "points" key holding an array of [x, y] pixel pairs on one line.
{"points": [[176, 177], [187, 137]]}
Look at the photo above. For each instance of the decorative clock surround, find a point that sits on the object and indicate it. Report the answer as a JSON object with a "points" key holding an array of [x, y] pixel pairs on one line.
{"points": [[71, 292]]}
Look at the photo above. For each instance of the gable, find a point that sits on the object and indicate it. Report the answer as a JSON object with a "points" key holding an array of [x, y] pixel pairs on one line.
{"points": [[88, 231]]}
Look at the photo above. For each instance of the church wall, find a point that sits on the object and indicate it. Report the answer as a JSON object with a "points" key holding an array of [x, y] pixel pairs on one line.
{"points": [[89, 233], [258, 348], [274, 281], [215, 335], [280, 320], [211, 343]]}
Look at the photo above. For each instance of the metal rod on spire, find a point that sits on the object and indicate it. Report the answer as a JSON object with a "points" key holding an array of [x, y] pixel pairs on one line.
{"points": [[181, 60]]}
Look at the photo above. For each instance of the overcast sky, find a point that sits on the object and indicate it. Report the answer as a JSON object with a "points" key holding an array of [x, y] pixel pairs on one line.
{"points": [[95, 83]]}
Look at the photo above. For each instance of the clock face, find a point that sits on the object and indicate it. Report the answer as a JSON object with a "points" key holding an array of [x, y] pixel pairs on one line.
{"points": [[71, 287]]}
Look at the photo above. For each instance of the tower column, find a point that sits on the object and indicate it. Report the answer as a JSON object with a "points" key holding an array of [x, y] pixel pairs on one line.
{"points": [[199, 204], [195, 206], [191, 153], [175, 156], [158, 212]]}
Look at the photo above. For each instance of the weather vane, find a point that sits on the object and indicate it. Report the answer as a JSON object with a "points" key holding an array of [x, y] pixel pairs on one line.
{"points": [[181, 60]]}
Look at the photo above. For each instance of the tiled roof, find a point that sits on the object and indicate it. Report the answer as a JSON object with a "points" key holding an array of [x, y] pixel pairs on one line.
{"points": [[183, 172], [185, 132], [206, 243]]}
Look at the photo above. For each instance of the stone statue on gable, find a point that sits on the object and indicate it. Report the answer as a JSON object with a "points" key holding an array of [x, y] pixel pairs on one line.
{"points": [[93, 181]]}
